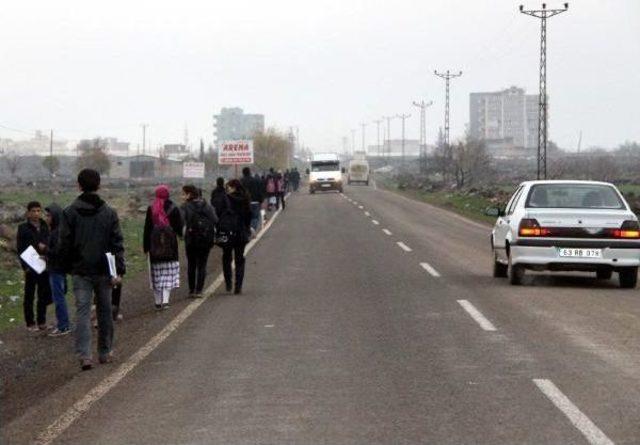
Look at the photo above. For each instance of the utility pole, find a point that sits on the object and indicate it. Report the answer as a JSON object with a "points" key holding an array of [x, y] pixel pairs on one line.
{"points": [[447, 77], [51, 147], [144, 136], [378, 122], [353, 140], [388, 118], [403, 117], [543, 14], [363, 125], [423, 132]]}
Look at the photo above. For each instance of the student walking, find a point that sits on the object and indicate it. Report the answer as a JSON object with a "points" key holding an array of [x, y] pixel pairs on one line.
{"points": [[89, 230], [219, 199], [57, 276], [254, 188], [236, 219], [162, 226], [281, 190], [200, 220], [34, 233]]}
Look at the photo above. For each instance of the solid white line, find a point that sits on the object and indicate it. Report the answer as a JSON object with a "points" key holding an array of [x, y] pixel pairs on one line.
{"points": [[589, 430], [403, 246], [84, 404], [430, 269], [387, 231], [477, 316], [375, 222], [367, 214]]}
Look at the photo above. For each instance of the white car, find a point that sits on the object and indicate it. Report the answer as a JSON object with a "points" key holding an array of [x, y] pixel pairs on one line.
{"points": [[566, 226]]}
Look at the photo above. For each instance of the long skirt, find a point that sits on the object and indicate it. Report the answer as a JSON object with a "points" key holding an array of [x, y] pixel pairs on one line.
{"points": [[164, 275]]}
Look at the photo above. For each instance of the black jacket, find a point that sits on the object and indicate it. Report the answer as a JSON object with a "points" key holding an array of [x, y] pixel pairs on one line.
{"points": [[175, 221], [55, 263], [29, 235], [254, 188], [218, 200], [189, 210], [88, 230], [240, 205]]}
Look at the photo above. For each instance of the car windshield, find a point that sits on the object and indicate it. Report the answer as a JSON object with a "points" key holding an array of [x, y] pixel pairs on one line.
{"points": [[574, 196], [324, 166]]}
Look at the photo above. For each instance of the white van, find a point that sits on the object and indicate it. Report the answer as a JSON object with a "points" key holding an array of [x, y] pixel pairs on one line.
{"points": [[325, 173], [358, 171]]}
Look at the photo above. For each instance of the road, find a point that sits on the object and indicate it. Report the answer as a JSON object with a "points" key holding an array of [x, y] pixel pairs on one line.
{"points": [[371, 318]]}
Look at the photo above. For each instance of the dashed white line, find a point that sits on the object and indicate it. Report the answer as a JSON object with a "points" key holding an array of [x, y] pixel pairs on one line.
{"points": [[387, 231], [477, 315], [430, 269], [361, 207], [403, 246], [377, 223], [367, 214], [588, 429]]}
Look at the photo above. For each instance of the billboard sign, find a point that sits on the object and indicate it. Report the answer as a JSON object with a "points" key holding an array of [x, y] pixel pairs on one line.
{"points": [[193, 170], [235, 152]]}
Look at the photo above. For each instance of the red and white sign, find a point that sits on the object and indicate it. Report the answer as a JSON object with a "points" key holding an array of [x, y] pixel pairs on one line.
{"points": [[235, 153]]}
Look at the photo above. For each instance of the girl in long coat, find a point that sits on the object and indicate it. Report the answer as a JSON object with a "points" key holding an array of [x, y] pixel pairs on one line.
{"points": [[163, 216]]}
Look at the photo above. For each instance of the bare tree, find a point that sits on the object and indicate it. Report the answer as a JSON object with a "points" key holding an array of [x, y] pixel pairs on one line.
{"points": [[13, 162], [93, 154]]}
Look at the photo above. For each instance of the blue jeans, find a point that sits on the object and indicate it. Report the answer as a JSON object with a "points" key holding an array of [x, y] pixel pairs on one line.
{"points": [[255, 215], [58, 283], [84, 288]]}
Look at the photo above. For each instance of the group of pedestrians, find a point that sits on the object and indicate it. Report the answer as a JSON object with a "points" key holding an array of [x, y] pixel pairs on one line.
{"points": [[84, 241]]}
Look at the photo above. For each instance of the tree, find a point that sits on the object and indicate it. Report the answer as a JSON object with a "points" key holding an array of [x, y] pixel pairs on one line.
{"points": [[201, 151], [52, 164], [93, 154], [471, 162], [13, 162], [272, 149]]}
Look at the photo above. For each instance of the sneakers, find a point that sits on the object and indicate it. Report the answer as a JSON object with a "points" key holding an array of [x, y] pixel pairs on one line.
{"points": [[59, 332], [197, 295], [158, 307], [86, 364], [237, 291], [166, 306], [33, 328]]}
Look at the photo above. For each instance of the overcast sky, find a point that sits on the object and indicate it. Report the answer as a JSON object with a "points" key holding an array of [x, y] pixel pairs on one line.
{"points": [[88, 68]]}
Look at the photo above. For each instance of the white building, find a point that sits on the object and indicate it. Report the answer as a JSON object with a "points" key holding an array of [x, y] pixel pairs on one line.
{"points": [[232, 124], [508, 117]]}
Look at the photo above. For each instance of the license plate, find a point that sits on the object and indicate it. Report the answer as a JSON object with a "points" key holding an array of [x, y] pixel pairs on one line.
{"points": [[579, 253], [326, 185]]}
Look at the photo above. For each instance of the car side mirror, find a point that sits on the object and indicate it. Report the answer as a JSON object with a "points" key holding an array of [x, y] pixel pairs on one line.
{"points": [[307, 172], [494, 211]]}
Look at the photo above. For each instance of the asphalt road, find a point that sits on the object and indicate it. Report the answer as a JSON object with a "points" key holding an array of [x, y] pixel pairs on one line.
{"points": [[352, 332]]}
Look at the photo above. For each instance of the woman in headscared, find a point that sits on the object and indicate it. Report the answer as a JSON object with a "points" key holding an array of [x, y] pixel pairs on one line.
{"points": [[162, 227]]}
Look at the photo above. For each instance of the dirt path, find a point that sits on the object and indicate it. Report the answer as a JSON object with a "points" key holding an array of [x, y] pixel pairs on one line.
{"points": [[33, 365]]}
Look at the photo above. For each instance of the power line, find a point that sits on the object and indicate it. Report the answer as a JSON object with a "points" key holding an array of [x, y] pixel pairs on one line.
{"points": [[447, 77], [403, 117], [423, 132], [543, 14]]}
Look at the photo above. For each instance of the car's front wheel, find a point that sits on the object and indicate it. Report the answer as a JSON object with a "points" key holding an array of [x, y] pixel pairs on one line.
{"points": [[628, 277], [516, 273], [499, 270]]}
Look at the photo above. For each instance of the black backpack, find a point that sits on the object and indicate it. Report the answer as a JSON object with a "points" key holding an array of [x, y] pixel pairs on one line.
{"points": [[227, 226], [163, 244], [201, 230]]}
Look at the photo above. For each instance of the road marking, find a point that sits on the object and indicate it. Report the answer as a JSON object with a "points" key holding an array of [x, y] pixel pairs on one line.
{"points": [[361, 207], [430, 269], [589, 430], [367, 214], [477, 315], [375, 186], [375, 222], [387, 231], [355, 202], [403, 246], [60, 425]]}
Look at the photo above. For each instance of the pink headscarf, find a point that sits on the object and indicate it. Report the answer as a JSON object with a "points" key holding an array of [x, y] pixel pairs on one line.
{"points": [[158, 215]]}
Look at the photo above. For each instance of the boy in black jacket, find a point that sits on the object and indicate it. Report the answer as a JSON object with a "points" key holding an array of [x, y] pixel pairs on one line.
{"points": [[35, 233], [89, 230]]}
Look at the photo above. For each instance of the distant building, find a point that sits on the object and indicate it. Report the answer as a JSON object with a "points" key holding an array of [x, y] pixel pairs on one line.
{"points": [[233, 124], [505, 120], [116, 147], [393, 149], [144, 166], [38, 145]]}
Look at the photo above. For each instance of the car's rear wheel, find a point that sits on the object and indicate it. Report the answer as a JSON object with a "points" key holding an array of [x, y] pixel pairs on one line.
{"points": [[516, 273], [628, 277], [604, 274], [499, 270]]}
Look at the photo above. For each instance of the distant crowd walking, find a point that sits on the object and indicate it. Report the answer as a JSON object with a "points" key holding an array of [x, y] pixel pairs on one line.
{"points": [[85, 241]]}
